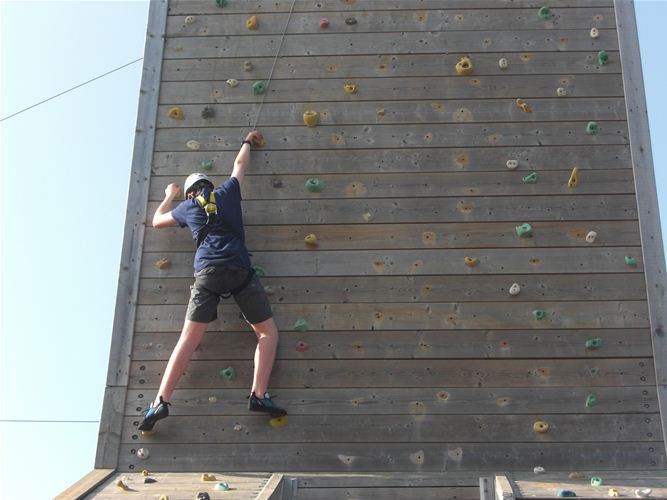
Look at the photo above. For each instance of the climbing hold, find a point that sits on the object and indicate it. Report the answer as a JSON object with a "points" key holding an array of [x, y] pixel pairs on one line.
{"points": [[502, 63], [544, 13], [613, 492], [238, 427], [561, 91], [121, 485], [593, 343], [143, 453], [573, 180], [206, 164], [314, 185], [192, 144], [324, 23], [538, 470], [310, 118], [471, 261], [310, 240], [259, 271], [512, 164], [144, 472], [350, 88], [251, 23], [539, 313], [591, 400], [523, 106], [464, 66], [566, 493], [595, 33], [592, 128], [277, 183], [515, 289], [176, 113], [208, 112], [190, 19], [603, 58], [222, 487], [212, 399], [259, 142], [525, 230], [301, 325], [540, 427], [302, 346], [596, 481], [163, 264], [232, 82], [268, 289], [229, 373], [150, 480], [350, 21], [208, 477], [590, 237], [278, 423], [247, 65], [630, 261], [530, 178], [221, 3], [643, 493], [164, 497], [202, 495], [258, 88]]}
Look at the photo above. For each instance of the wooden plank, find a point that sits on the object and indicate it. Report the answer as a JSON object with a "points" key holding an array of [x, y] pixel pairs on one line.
{"points": [[410, 373], [85, 485], [110, 424], [273, 489], [359, 457], [416, 262], [393, 89], [361, 42], [377, 479], [385, 65], [400, 401], [395, 493], [503, 488]]}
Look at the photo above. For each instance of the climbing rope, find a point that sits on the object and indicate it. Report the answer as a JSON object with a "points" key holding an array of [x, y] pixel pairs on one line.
{"points": [[273, 66]]}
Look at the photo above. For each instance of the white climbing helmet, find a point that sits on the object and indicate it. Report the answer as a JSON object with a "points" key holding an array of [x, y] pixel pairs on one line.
{"points": [[192, 180]]}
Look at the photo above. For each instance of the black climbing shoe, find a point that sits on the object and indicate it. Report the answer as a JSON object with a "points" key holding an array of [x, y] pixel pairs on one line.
{"points": [[265, 405], [154, 414]]}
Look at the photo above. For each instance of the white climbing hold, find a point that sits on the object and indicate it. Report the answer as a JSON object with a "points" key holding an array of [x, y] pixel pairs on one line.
{"points": [[512, 164], [538, 470], [367, 216], [590, 237], [232, 82], [143, 453], [192, 144], [595, 33], [561, 91], [643, 492], [502, 63], [238, 427], [515, 289], [212, 399], [190, 19]]}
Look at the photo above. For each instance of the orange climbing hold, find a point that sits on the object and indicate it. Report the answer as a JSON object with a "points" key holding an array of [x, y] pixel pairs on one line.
{"points": [[176, 113], [464, 66], [310, 118], [163, 264], [574, 180], [251, 23], [523, 106]]}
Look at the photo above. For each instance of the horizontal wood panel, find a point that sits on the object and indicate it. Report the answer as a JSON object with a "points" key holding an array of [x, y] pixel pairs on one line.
{"points": [[400, 429], [416, 262], [504, 374], [358, 457], [384, 65], [393, 89], [399, 401], [397, 236], [408, 345], [434, 42], [391, 493]]}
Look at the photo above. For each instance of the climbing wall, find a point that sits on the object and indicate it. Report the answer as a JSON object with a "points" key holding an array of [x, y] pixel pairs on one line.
{"points": [[452, 253]]}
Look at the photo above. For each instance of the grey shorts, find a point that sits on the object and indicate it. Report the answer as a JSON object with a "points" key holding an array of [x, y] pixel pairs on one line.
{"points": [[212, 282]]}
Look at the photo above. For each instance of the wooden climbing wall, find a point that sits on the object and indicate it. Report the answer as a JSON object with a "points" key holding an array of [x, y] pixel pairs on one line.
{"points": [[416, 362]]}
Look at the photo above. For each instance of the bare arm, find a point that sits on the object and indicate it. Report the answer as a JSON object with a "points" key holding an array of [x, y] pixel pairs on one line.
{"points": [[243, 158], [162, 217]]}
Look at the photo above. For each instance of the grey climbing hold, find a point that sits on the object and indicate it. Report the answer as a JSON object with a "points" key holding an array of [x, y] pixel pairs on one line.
{"points": [[350, 21], [208, 112]]}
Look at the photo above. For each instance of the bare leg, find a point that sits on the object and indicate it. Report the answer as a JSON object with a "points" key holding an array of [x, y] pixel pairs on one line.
{"points": [[265, 354], [190, 339]]}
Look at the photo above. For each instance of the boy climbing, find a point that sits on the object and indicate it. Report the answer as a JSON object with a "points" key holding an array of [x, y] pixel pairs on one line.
{"points": [[222, 269]]}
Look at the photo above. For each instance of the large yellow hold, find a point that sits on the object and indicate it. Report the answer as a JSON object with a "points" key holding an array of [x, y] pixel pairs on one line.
{"points": [[464, 66], [310, 118], [251, 23]]}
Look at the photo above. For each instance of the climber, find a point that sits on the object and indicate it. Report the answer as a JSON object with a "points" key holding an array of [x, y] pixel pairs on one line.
{"points": [[222, 269]]}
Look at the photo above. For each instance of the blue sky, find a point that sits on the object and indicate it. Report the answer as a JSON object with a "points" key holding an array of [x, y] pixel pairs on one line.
{"points": [[65, 171]]}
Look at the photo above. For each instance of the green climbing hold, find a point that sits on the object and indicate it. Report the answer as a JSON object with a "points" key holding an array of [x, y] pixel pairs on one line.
{"points": [[544, 13], [539, 313], [206, 164], [591, 400], [221, 3], [603, 58], [314, 185], [530, 178], [259, 271], [592, 128], [593, 343], [258, 88], [566, 493], [228, 373], [630, 260], [301, 325], [596, 481], [524, 230], [222, 486]]}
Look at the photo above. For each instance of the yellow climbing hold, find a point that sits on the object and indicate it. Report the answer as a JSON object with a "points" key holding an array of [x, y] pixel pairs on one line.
{"points": [[163, 264], [471, 261], [523, 106], [350, 88], [613, 492], [164, 497], [144, 472], [278, 422], [310, 118], [176, 113], [208, 477], [574, 180], [251, 23], [464, 66], [540, 427], [311, 240], [121, 485]]}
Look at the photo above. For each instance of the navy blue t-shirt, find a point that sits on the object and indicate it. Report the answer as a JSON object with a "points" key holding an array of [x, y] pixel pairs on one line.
{"points": [[225, 242]]}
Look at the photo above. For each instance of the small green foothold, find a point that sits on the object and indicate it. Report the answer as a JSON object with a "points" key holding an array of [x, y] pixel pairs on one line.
{"points": [[206, 164], [222, 486], [630, 260], [221, 3], [539, 313], [259, 271], [524, 230], [592, 128], [229, 373], [544, 13], [603, 58], [530, 178], [593, 343], [591, 400], [301, 325], [258, 88], [314, 185], [566, 493], [596, 481]]}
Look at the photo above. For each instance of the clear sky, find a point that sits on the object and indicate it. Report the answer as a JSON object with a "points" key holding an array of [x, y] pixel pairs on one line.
{"points": [[65, 170]]}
